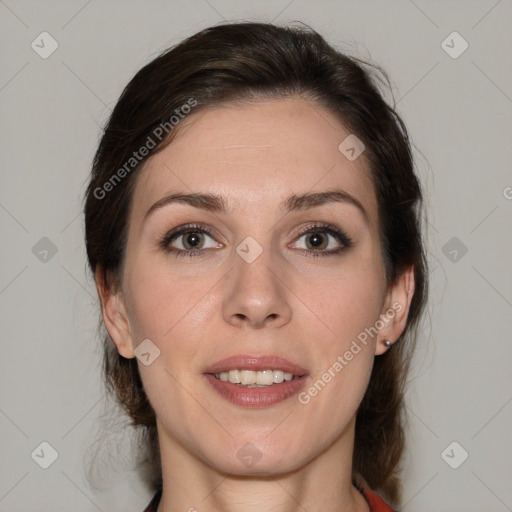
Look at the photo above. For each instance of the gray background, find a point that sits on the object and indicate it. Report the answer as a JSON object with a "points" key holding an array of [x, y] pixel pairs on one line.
{"points": [[458, 111]]}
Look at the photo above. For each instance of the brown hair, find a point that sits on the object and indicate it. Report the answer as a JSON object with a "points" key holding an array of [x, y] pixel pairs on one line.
{"points": [[248, 61]]}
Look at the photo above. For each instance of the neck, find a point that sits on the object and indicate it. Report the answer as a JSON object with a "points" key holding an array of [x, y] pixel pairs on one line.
{"points": [[324, 483]]}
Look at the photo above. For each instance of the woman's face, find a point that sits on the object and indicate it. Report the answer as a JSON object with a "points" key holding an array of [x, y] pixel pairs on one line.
{"points": [[247, 283]]}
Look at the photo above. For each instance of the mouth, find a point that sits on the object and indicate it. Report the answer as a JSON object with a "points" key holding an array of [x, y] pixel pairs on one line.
{"points": [[256, 381]]}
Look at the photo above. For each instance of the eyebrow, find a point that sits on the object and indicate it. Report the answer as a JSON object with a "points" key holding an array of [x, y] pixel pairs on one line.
{"points": [[218, 203]]}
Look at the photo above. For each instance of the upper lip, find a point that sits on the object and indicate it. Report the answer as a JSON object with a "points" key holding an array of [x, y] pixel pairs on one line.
{"points": [[256, 363]]}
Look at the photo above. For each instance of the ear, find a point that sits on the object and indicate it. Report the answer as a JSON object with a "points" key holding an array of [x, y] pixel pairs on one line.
{"points": [[395, 310], [116, 321]]}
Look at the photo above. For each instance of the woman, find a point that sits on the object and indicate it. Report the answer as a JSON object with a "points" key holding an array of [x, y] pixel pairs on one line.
{"points": [[253, 226]]}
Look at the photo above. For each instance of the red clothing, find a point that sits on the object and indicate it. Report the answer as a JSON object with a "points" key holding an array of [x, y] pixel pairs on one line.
{"points": [[376, 503]]}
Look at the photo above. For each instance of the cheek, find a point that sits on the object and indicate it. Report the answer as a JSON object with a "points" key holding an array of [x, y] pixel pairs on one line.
{"points": [[173, 312], [348, 303], [162, 303], [349, 307], [164, 307]]}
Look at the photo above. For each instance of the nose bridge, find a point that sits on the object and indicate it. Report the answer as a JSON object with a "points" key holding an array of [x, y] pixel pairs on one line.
{"points": [[256, 294]]}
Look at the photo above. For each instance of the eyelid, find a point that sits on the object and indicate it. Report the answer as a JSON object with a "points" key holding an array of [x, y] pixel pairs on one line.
{"points": [[313, 227], [179, 231], [322, 227]]}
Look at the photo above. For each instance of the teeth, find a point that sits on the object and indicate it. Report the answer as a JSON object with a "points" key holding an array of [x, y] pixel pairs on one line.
{"points": [[234, 376], [250, 378], [265, 377], [278, 376]]}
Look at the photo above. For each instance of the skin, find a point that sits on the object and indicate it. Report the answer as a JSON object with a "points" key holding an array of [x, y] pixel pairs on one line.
{"points": [[198, 310]]}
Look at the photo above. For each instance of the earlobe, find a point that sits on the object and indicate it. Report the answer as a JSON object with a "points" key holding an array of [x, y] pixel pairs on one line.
{"points": [[115, 316], [395, 311]]}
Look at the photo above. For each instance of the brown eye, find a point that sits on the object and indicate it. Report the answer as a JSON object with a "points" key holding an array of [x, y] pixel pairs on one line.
{"points": [[317, 241], [192, 240], [324, 240], [189, 240]]}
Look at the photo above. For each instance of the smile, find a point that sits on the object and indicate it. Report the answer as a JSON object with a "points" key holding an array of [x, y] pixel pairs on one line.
{"points": [[251, 378], [255, 380]]}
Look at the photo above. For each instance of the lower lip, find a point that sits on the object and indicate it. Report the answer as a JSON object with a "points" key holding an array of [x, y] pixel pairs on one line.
{"points": [[256, 397]]}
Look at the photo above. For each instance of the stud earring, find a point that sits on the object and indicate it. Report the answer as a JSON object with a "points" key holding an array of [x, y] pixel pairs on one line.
{"points": [[388, 343]]}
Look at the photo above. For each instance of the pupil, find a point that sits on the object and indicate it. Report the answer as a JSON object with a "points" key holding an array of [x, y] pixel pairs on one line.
{"points": [[195, 239], [315, 240]]}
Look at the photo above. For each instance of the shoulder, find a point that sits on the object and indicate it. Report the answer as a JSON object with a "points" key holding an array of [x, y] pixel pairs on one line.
{"points": [[377, 504], [153, 504]]}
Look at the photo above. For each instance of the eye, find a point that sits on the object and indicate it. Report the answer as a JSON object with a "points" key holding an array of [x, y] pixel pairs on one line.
{"points": [[192, 240], [323, 240], [189, 240]]}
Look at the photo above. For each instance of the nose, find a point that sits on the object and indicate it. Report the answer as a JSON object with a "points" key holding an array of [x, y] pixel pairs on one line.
{"points": [[256, 294]]}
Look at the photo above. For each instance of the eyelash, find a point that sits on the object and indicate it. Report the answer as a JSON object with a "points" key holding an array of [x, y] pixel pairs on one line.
{"points": [[339, 235]]}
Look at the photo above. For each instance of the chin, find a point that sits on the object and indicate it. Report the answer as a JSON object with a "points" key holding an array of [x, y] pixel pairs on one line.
{"points": [[260, 457], [264, 467]]}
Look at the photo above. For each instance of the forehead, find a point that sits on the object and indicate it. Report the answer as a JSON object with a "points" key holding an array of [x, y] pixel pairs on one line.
{"points": [[255, 155]]}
